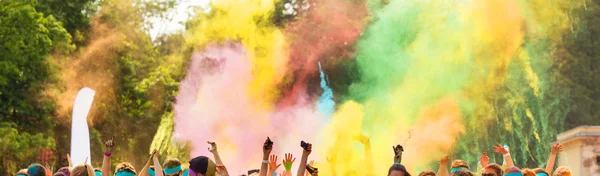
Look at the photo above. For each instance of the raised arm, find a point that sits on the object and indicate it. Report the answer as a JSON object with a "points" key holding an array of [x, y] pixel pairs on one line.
{"points": [[71, 163], [288, 162], [556, 148], [215, 152], [398, 149], [500, 149], [305, 152], [144, 170], [273, 165], [484, 160], [106, 161], [443, 170], [267, 148], [157, 167]]}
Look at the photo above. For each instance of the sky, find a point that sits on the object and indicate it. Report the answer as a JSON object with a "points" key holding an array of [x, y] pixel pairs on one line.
{"points": [[175, 18]]}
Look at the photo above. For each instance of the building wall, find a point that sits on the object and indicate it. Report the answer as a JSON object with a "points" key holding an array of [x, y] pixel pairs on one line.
{"points": [[571, 157], [591, 150]]}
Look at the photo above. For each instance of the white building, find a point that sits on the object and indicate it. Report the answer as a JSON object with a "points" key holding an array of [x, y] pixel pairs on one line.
{"points": [[581, 150]]}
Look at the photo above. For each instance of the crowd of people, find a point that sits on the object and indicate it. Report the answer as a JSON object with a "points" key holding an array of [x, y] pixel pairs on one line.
{"points": [[204, 166]]}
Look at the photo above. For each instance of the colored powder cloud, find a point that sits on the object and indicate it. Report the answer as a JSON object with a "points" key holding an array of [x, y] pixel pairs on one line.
{"points": [[457, 77], [326, 31], [249, 22]]}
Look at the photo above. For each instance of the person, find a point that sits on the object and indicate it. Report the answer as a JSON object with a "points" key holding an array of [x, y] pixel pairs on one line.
{"points": [[65, 170], [513, 171], [22, 172], [108, 145], [462, 173], [83, 170], [458, 165], [555, 149], [97, 172], [272, 165], [562, 171], [125, 169], [427, 173], [492, 170], [267, 147], [504, 151], [443, 169], [398, 170], [36, 170], [148, 170], [172, 167], [540, 172], [204, 166], [304, 160], [528, 172], [60, 174]]}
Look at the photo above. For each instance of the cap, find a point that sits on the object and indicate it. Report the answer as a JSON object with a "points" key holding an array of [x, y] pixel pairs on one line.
{"points": [[203, 165]]}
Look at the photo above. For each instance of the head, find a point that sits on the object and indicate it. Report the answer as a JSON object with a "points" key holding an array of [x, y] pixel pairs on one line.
{"points": [[82, 170], [462, 173], [172, 167], [492, 170], [398, 170], [36, 170], [202, 166], [427, 173], [22, 172], [125, 169], [59, 174], [513, 171], [540, 172], [528, 172], [65, 170], [97, 172], [458, 165], [562, 171]]}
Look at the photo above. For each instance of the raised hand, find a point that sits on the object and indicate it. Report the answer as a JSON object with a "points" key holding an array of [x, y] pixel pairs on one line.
{"points": [[267, 147], [213, 147], [273, 163], [556, 148], [444, 160], [307, 150], [70, 162], [311, 163], [484, 159], [109, 144], [398, 149], [288, 161], [500, 149], [222, 171]]}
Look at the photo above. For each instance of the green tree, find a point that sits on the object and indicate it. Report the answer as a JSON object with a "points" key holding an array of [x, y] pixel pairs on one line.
{"points": [[74, 14], [18, 150], [26, 40]]}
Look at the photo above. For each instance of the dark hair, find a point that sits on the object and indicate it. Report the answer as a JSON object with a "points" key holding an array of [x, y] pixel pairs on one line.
{"points": [[497, 169], [65, 170], [60, 174], [125, 166], [171, 163], [427, 173], [463, 173], [398, 167], [36, 170]]}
